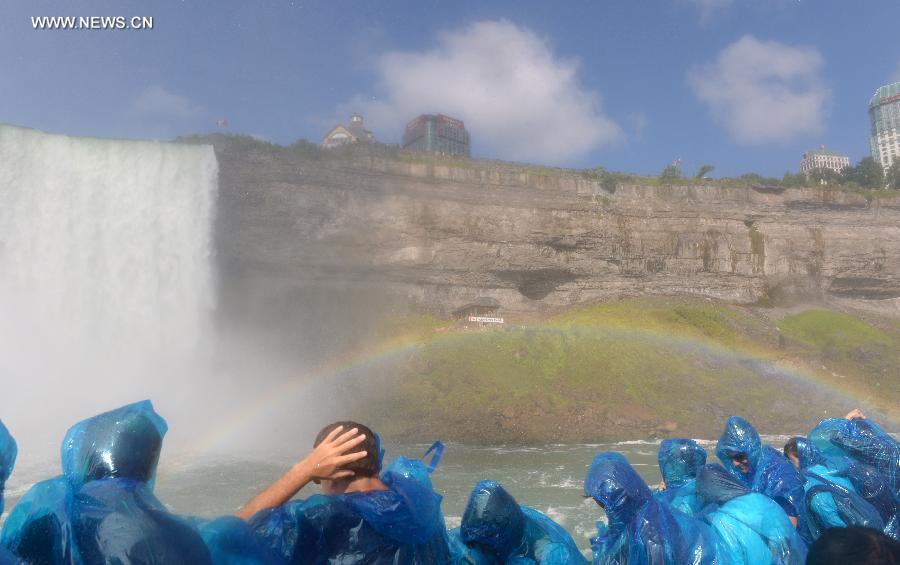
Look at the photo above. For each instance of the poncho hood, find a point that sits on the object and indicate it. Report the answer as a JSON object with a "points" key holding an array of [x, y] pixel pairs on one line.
{"points": [[493, 518], [679, 461], [123, 443], [739, 436], [613, 483]]}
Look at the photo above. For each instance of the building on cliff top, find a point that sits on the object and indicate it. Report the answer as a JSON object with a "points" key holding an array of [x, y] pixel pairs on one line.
{"points": [[437, 133], [821, 158], [342, 135], [884, 113], [483, 310]]}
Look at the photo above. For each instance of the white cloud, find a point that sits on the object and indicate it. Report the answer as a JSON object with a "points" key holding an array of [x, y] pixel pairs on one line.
{"points": [[518, 100], [157, 101], [709, 9], [764, 91]]}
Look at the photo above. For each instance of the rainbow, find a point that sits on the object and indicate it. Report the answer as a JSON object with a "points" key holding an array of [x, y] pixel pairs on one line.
{"points": [[277, 397]]}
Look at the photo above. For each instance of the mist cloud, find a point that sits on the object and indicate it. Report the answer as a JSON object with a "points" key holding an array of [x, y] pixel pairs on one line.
{"points": [[518, 100], [763, 91]]}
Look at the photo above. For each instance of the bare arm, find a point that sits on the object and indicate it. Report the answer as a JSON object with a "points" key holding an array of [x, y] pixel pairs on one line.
{"points": [[324, 462]]}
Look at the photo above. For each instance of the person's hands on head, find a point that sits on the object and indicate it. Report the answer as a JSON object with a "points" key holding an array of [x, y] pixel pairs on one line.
{"points": [[325, 462], [855, 414]]}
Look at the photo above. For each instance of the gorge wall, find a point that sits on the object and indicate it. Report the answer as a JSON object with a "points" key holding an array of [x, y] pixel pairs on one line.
{"points": [[438, 233]]}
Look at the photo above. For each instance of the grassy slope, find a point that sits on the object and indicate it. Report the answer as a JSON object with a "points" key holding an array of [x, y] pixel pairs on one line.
{"points": [[859, 356], [633, 369]]}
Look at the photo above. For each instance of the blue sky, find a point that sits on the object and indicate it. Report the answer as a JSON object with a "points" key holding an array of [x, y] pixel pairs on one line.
{"points": [[745, 85]]}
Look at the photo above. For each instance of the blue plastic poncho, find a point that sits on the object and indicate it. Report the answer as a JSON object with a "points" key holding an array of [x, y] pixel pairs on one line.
{"points": [[398, 475], [400, 525], [679, 462], [102, 508], [122, 443], [462, 554], [384, 529], [7, 462], [751, 527], [641, 530], [8, 558], [832, 503], [495, 527], [863, 441], [121, 521], [853, 475], [231, 542], [39, 527], [8, 453], [770, 473]]}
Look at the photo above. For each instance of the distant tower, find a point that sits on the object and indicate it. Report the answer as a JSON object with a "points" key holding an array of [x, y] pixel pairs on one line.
{"points": [[356, 120], [884, 113]]}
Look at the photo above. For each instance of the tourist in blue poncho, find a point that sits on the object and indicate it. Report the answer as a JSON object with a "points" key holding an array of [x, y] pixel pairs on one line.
{"points": [[641, 530], [496, 529], [761, 468], [361, 518], [751, 527], [679, 461], [8, 453], [860, 439], [841, 492], [102, 508]]}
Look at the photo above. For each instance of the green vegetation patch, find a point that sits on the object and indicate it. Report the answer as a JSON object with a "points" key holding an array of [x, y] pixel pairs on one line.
{"points": [[546, 384], [725, 325], [828, 330]]}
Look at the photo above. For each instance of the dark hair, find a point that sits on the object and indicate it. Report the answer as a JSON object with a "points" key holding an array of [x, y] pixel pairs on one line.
{"points": [[790, 448], [854, 545], [368, 466]]}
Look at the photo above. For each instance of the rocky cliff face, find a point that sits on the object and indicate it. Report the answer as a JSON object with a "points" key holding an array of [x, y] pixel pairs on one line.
{"points": [[439, 234]]}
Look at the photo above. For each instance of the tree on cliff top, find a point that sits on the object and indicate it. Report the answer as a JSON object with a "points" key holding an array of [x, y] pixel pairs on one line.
{"points": [[793, 179], [822, 175], [867, 174], [671, 173], [703, 171], [893, 176]]}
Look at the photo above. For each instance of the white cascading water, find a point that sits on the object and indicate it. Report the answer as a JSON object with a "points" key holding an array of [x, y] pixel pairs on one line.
{"points": [[106, 285]]}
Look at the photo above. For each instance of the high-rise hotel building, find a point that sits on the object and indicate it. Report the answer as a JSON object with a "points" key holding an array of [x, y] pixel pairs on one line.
{"points": [[884, 112], [436, 134]]}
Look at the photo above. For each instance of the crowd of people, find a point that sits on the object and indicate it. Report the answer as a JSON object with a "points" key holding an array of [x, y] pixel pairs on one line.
{"points": [[829, 497]]}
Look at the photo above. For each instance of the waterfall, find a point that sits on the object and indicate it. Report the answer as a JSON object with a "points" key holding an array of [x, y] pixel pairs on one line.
{"points": [[105, 270], [109, 240]]}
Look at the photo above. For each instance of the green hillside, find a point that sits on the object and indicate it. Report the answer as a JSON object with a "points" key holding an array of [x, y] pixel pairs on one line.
{"points": [[634, 369]]}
